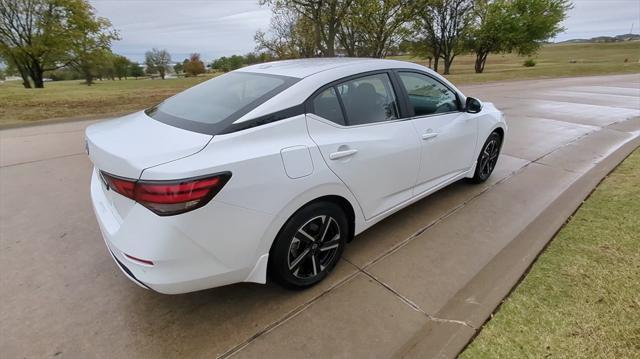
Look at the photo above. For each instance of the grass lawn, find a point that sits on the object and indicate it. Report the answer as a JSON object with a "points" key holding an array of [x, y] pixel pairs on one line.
{"points": [[551, 61], [66, 99], [581, 298]]}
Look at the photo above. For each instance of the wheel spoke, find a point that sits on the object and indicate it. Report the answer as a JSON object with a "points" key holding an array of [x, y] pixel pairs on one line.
{"points": [[325, 227], [296, 263], [307, 237], [484, 164], [333, 243], [316, 264]]}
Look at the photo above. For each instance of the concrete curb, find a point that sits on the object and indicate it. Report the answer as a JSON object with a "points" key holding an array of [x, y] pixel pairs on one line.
{"points": [[476, 302]]}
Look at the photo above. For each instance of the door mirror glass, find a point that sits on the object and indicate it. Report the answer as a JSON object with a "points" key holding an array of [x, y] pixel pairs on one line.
{"points": [[473, 105]]}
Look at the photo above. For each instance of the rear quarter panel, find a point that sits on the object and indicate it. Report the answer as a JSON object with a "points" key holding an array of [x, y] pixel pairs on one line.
{"points": [[259, 182]]}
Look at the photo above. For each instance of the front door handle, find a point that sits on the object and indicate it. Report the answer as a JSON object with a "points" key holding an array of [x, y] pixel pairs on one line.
{"points": [[429, 135], [342, 154]]}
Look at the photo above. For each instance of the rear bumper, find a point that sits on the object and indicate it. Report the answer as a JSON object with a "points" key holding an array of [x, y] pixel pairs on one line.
{"points": [[126, 271], [212, 246]]}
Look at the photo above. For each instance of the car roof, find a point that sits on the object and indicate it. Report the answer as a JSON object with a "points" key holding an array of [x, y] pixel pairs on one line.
{"points": [[315, 73], [301, 68]]}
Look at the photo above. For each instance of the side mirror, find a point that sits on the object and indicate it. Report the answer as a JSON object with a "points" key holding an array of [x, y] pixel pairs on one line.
{"points": [[473, 105]]}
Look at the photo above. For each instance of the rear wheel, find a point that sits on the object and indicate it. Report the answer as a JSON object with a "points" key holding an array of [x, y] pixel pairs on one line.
{"points": [[309, 245], [488, 158]]}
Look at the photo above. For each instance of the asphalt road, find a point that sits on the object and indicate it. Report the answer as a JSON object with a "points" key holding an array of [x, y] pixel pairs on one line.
{"points": [[420, 283]]}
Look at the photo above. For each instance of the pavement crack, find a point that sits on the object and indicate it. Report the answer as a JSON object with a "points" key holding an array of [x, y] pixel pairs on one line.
{"points": [[43, 159], [453, 321], [288, 316], [406, 300], [412, 304]]}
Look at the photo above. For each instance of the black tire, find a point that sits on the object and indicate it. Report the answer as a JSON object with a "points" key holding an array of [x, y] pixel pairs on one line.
{"points": [[487, 158], [309, 245]]}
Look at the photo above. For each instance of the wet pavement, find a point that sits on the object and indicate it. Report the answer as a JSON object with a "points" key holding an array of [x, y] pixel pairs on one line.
{"points": [[418, 284]]}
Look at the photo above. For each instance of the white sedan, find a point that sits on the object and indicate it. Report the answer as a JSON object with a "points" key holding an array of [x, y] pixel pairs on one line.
{"points": [[275, 167]]}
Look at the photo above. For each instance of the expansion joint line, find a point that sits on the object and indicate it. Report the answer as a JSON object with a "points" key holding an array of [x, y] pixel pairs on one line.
{"points": [[409, 302]]}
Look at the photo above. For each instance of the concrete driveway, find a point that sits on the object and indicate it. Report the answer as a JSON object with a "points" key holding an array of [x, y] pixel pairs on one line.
{"points": [[418, 284]]}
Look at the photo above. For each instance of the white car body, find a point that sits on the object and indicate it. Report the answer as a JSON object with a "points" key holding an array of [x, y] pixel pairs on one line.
{"points": [[372, 170]]}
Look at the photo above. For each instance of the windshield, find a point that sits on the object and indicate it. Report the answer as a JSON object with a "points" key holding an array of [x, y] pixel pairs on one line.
{"points": [[213, 105]]}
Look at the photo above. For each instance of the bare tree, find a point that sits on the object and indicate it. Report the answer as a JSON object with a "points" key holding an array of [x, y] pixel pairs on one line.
{"points": [[372, 27], [289, 36], [444, 25], [325, 17], [158, 60]]}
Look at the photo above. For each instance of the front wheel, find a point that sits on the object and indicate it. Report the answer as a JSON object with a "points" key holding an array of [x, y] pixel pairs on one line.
{"points": [[309, 245], [488, 158]]}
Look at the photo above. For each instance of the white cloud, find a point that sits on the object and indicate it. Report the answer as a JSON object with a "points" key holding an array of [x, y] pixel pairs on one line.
{"points": [[217, 28]]}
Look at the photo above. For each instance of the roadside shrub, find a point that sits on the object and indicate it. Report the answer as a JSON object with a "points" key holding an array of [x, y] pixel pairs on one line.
{"points": [[529, 63]]}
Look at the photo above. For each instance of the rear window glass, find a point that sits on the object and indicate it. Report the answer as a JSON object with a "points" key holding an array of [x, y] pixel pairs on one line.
{"points": [[213, 105], [368, 99], [326, 105]]}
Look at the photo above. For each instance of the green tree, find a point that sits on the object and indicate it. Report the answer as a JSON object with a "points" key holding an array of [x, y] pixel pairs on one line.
{"points": [[519, 26], [45, 35], [135, 70], [194, 66], [179, 67], [121, 66], [227, 64], [157, 61]]}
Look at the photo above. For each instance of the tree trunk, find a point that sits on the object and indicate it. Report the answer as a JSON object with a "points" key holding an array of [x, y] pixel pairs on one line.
{"points": [[430, 60], [436, 59], [330, 50], [481, 60], [25, 77], [161, 70], [448, 60], [36, 73], [447, 66], [38, 81]]}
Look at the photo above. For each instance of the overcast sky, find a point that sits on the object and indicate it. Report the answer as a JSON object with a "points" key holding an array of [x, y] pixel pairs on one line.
{"points": [[217, 28]]}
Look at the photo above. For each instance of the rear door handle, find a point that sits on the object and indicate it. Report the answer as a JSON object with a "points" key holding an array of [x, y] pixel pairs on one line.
{"points": [[342, 154], [429, 135]]}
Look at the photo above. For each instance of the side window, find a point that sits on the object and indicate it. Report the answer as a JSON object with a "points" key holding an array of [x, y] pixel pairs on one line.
{"points": [[428, 96], [326, 105], [368, 99]]}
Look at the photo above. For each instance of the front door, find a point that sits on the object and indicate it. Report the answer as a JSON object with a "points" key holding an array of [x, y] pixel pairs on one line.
{"points": [[447, 134]]}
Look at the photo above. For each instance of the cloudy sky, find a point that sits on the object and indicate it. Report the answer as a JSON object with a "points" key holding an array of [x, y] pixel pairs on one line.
{"points": [[217, 28]]}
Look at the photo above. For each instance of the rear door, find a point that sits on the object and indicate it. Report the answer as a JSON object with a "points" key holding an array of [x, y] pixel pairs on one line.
{"points": [[356, 125], [447, 134]]}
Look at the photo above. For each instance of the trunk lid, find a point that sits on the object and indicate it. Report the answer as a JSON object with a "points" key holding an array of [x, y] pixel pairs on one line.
{"points": [[126, 146]]}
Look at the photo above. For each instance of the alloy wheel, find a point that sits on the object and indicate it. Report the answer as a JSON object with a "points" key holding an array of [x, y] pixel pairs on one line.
{"points": [[489, 157], [313, 247]]}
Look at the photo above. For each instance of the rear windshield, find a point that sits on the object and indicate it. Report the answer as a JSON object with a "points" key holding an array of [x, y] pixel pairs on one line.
{"points": [[213, 105]]}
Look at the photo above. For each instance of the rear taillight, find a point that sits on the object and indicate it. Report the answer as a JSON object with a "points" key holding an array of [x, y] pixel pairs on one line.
{"points": [[166, 198]]}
